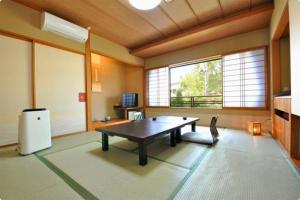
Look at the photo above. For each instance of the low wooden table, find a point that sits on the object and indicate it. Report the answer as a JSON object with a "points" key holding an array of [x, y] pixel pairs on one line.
{"points": [[114, 121], [145, 131]]}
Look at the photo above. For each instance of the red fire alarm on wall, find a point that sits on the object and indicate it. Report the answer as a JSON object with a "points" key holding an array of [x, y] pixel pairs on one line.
{"points": [[82, 97]]}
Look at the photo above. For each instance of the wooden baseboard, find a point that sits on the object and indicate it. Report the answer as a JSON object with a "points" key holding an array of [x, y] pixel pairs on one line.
{"points": [[53, 137], [8, 145]]}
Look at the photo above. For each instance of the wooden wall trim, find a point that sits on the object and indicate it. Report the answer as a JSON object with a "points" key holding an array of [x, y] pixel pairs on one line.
{"points": [[33, 75], [31, 39], [145, 89], [114, 58], [52, 137], [88, 84], [276, 82], [282, 24]]}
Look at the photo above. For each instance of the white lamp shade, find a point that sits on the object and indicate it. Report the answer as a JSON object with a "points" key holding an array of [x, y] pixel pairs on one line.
{"points": [[144, 4]]}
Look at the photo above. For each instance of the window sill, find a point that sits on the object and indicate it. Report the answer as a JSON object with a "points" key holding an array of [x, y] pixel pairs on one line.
{"points": [[224, 108]]}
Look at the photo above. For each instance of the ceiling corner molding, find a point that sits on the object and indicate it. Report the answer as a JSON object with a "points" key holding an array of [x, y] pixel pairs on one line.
{"points": [[245, 21]]}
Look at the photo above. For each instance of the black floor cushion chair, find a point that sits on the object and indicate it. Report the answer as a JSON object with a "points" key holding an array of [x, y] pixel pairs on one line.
{"points": [[204, 137]]}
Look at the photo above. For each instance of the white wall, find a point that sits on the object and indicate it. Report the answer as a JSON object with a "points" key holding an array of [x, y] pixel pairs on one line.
{"points": [[294, 19], [15, 85], [60, 77]]}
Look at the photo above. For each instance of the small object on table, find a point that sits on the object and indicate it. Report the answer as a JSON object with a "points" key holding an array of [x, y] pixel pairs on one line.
{"points": [[254, 128], [107, 118], [154, 118], [184, 118]]}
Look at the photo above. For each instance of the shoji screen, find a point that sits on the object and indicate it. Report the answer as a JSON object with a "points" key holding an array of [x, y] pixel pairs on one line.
{"points": [[60, 77], [15, 85], [158, 87], [244, 79]]}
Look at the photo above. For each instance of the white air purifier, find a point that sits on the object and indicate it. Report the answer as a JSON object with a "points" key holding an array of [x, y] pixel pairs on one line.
{"points": [[34, 131]]}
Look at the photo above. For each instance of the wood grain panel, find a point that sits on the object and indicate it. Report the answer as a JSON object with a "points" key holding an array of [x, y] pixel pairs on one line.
{"points": [[156, 17], [259, 2], [231, 6], [206, 9], [255, 19], [119, 12], [181, 13]]}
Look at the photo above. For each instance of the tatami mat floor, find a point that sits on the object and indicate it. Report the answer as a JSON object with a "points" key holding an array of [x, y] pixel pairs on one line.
{"points": [[238, 167]]}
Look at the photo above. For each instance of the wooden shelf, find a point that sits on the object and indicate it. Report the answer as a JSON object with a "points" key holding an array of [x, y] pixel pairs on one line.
{"points": [[126, 110], [115, 121]]}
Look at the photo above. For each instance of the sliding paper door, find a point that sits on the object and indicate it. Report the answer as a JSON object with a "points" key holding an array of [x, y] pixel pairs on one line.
{"points": [[60, 77], [15, 85]]}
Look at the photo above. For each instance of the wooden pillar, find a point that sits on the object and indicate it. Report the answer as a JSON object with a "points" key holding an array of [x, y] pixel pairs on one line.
{"points": [[33, 95], [88, 84]]}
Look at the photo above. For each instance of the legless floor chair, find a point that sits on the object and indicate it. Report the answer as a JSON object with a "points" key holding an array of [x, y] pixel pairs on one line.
{"points": [[203, 137]]}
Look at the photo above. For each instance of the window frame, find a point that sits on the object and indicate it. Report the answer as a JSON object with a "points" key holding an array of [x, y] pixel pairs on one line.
{"points": [[266, 77]]}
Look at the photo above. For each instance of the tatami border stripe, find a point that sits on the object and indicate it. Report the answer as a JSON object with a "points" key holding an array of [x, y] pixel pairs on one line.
{"points": [[152, 157], [65, 149], [291, 164], [287, 159], [189, 174], [84, 193]]}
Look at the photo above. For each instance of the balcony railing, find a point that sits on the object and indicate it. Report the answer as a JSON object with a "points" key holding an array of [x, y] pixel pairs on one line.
{"points": [[197, 101]]}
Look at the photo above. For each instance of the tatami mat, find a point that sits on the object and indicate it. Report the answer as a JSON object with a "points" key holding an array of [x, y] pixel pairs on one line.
{"points": [[183, 155], [26, 178], [243, 171], [239, 166], [63, 143], [116, 174]]}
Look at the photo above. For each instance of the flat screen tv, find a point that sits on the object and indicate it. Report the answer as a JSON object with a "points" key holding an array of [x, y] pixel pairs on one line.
{"points": [[129, 100]]}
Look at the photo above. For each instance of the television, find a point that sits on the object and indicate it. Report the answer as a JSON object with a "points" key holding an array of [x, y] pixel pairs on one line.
{"points": [[129, 100]]}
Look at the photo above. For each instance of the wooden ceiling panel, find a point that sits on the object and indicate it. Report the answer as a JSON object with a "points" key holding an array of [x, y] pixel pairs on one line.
{"points": [[157, 18], [153, 31], [181, 13], [232, 6], [206, 9], [259, 2], [255, 19], [119, 12], [84, 13]]}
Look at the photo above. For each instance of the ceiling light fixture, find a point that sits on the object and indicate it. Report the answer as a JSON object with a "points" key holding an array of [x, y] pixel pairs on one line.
{"points": [[144, 4]]}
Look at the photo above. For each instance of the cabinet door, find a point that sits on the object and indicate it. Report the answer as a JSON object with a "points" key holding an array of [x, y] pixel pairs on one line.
{"points": [[287, 134], [279, 129]]}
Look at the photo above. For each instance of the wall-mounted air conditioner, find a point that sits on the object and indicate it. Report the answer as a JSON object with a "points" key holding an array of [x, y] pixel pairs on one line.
{"points": [[62, 27]]}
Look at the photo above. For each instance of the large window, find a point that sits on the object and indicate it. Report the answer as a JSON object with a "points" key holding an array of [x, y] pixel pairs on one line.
{"points": [[232, 81], [197, 85], [244, 80]]}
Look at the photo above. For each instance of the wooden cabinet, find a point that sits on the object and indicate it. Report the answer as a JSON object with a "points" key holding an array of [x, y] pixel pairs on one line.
{"points": [[284, 125]]}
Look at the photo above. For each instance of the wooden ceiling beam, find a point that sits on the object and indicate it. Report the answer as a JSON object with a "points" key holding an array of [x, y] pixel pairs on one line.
{"points": [[155, 46]]}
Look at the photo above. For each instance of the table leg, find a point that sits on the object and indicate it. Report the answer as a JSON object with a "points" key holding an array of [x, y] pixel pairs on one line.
{"points": [[104, 142], [143, 159], [194, 127], [173, 138], [178, 135]]}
